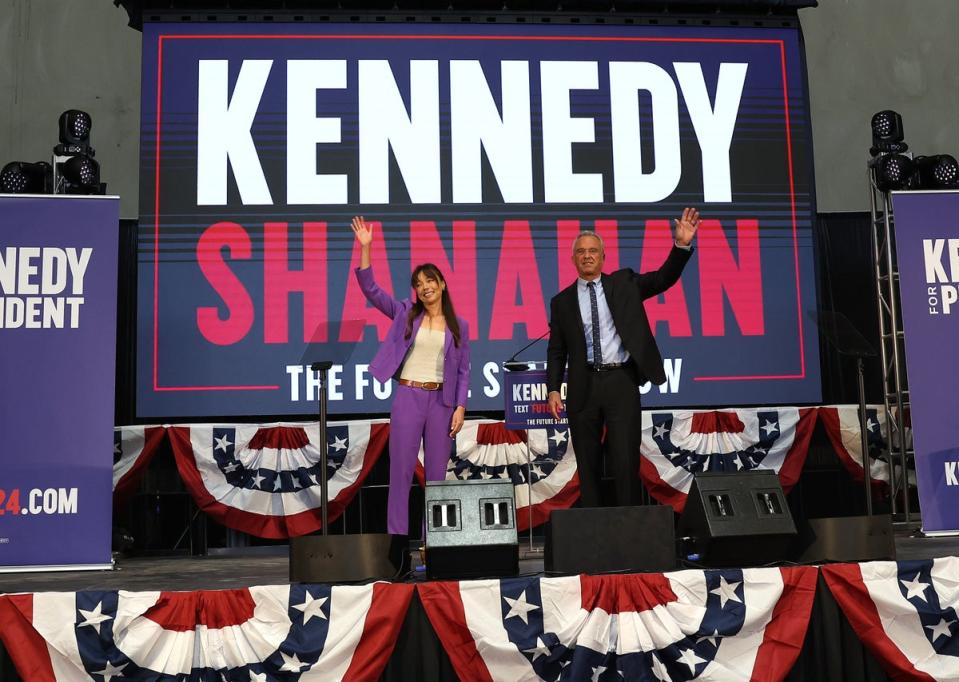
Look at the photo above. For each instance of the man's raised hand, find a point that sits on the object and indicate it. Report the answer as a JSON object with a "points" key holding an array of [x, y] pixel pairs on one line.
{"points": [[686, 226]]}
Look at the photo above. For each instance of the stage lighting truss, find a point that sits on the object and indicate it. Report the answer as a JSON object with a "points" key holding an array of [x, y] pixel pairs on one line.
{"points": [[890, 169]]}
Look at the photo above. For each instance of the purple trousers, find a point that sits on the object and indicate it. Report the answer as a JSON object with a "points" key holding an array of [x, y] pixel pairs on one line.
{"points": [[417, 416]]}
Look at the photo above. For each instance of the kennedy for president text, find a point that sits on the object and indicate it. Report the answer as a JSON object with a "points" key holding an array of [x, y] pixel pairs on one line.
{"points": [[42, 287]]}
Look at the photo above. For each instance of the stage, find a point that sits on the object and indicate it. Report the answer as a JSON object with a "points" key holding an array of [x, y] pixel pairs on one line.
{"points": [[237, 279], [231, 569]]}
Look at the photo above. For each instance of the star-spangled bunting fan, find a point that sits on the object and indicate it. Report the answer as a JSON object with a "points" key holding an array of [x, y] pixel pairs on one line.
{"points": [[678, 444], [744, 624], [258, 633], [133, 449], [487, 450], [843, 428], [675, 446], [264, 480], [904, 612]]}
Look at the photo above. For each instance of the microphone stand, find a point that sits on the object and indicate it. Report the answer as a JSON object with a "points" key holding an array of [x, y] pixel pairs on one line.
{"points": [[323, 557], [321, 368], [512, 365]]}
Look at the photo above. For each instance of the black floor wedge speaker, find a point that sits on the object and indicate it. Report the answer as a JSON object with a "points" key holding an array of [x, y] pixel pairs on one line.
{"points": [[737, 519], [610, 540], [342, 558]]}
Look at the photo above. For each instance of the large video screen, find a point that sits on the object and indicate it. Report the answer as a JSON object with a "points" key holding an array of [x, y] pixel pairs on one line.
{"points": [[483, 149]]}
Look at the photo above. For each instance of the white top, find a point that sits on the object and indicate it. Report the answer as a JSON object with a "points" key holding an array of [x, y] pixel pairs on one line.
{"points": [[425, 361]]}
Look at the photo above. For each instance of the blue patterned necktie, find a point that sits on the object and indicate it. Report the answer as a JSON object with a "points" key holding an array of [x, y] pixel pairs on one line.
{"points": [[594, 313]]}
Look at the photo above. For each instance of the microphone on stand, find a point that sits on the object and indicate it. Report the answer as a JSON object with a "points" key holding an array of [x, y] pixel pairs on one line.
{"points": [[514, 365]]}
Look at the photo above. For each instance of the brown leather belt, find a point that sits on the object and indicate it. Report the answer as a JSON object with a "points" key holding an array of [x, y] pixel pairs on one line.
{"points": [[425, 385]]}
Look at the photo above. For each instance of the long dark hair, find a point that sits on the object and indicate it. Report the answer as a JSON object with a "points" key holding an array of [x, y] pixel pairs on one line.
{"points": [[432, 272]]}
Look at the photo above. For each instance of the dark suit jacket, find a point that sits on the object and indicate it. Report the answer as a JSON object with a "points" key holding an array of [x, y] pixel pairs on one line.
{"points": [[625, 291]]}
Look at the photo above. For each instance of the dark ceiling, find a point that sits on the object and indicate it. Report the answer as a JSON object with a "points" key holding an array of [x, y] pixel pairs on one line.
{"points": [[438, 10]]}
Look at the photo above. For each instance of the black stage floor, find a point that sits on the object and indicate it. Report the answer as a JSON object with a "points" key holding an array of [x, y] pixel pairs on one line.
{"points": [[270, 566], [226, 570]]}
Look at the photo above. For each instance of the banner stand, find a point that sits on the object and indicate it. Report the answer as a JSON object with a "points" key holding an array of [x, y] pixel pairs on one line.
{"points": [[927, 255], [521, 415], [58, 320]]}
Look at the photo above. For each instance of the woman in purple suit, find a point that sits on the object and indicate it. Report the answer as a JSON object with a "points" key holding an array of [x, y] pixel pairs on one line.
{"points": [[427, 351]]}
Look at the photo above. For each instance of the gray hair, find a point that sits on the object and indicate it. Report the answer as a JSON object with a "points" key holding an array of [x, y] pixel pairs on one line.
{"points": [[588, 233]]}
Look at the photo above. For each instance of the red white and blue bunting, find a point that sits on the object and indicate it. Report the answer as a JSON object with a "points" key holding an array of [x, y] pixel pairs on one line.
{"points": [[730, 624], [313, 632], [904, 612], [843, 427], [678, 444], [133, 449], [265, 479], [746, 624], [262, 479]]}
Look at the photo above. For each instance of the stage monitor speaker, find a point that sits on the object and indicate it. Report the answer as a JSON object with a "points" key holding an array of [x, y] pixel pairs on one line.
{"points": [[610, 539], [846, 538], [341, 558], [737, 519], [471, 529]]}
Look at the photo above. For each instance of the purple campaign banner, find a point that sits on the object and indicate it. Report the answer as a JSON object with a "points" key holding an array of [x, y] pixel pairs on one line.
{"points": [[483, 149], [58, 302], [927, 249], [526, 395]]}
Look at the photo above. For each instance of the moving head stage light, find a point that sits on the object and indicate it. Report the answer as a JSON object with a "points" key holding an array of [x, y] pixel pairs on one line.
{"points": [[887, 133], [936, 172], [19, 177], [899, 172], [893, 172], [75, 170], [75, 128]]}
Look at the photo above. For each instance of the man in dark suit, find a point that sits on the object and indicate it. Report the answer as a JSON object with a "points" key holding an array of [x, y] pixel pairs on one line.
{"points": [[598, 326]]}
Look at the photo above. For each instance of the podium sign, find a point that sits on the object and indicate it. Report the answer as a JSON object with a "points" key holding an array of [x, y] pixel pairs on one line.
{"points": [[927, 249], [58, 303], [526, 396]]}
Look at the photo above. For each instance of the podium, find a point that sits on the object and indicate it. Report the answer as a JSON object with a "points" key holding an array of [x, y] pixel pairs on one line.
{"points": [[525, 393]]}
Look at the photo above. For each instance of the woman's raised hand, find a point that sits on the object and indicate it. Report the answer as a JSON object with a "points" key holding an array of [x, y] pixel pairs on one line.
{"points": [[363, 232]]}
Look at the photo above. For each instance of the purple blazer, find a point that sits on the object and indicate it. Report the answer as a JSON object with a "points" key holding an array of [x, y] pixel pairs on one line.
{"points": [[389, 358]]}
